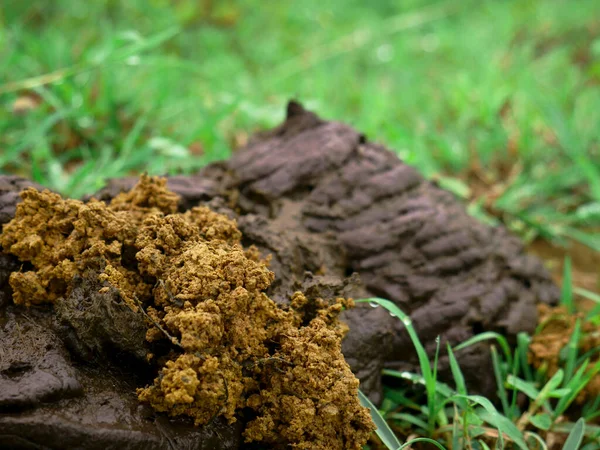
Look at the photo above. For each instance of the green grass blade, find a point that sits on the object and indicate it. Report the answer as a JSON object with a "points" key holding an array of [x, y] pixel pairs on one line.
{"points": [[543, 421], [431, 441], [436, 357], [360, 37], [575, 438], [526, 387], [587, 294], [537, 437], [590, 240], [132, 137], [486, 336], [551, 389], [146, 44], [523, 341], [572, 145], [384, 431], [577, 383], [409, 418], [572, 350], [34, 136], [553, 383], [441, 388], [66, 72], [425, 365], [484, 446], [566, 297], [494, 418], [591, 410], [457, 374], [500, 381], [514, 409]]}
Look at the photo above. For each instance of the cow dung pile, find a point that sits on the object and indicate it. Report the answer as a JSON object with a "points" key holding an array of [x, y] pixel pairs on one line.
{"points": [[212, 311]]}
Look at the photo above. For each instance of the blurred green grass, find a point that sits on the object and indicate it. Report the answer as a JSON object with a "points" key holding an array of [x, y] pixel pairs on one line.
{"points": [[497, 100]]}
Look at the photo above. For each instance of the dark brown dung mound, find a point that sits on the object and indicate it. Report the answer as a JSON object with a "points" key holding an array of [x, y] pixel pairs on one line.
{"points": [[318, 197], [355, 207], [324, 204], [219, 343]]}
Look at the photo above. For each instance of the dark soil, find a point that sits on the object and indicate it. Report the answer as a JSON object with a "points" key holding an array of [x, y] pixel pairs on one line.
{"points": [[325, 204]]}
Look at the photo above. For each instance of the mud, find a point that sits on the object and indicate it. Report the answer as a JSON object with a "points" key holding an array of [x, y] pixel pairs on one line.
{"points": [[324, 203]]}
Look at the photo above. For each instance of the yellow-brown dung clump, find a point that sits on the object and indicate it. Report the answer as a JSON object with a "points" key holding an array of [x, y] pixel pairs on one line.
{"points": [[231, 346], [556, 329]]}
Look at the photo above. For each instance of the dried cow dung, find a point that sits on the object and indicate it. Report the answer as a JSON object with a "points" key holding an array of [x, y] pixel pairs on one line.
{"points": [[324, 204], [319, 197], [350, 205]]}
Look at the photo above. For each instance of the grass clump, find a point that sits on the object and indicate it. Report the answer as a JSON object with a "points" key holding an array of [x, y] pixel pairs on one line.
{"points": [[218, 343], [455, 419]]}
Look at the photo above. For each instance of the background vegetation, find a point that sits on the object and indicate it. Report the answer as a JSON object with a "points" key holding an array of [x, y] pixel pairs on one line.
{"points": [[498, 99]]}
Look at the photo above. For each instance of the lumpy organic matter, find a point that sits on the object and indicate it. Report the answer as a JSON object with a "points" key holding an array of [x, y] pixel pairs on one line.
{"points": [[335, 214], [220, 345]]}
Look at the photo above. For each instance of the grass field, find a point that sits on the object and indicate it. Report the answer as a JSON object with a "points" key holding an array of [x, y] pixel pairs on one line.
{"points": [[498, 100]]}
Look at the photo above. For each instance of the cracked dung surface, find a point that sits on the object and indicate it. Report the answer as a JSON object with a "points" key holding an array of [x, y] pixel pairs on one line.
{"points": [[410, 241], [325, 202], [218, 343]]}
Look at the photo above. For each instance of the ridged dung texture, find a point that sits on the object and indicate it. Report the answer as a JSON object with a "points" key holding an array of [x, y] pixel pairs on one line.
{"points": [[339, 216]]}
